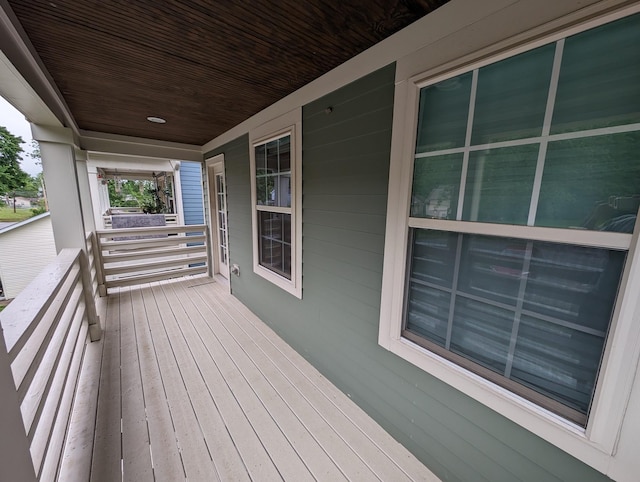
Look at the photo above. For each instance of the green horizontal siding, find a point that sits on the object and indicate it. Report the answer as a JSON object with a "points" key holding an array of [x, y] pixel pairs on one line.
{"points": [[335, 326]]}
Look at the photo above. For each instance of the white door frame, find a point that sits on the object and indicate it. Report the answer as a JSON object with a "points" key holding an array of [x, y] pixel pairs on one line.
{"points": [[216, 163]]}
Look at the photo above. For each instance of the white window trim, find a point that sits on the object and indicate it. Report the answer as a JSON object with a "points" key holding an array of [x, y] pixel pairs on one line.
{"points": [[287, 123], [594, 445]]}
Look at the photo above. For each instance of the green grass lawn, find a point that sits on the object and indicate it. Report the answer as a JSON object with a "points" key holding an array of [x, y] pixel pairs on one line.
{"points": [[7, 214]]}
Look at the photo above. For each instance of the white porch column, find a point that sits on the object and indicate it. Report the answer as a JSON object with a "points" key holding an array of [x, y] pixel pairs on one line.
{"points": [[85, 191], [59, 167], [57, 150], [97, 197]]}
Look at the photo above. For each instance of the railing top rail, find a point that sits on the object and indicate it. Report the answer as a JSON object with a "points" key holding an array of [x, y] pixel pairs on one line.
{"points": [[23, 313], [111, 233]]}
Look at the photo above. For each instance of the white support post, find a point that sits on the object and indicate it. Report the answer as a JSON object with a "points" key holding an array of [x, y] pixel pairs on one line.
{"points": [[60, 171], [95, 330], [15, 458], [95, 189], [60, 175], [85, 191]]}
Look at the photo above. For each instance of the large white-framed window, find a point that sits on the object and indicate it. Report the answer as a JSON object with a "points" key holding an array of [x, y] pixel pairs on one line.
{"points": [[276, 198], [511, 241]]}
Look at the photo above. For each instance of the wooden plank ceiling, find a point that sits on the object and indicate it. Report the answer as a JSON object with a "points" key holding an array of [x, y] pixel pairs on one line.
{"points": [[204, 66]]}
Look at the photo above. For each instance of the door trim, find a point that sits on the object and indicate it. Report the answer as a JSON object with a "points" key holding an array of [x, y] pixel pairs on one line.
{"points": [[210, 165]]}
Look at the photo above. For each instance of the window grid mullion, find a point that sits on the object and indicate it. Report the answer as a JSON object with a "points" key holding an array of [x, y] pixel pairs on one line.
{"points": [[454, 290], [520, 301], [467, 143], [546, 129], [563, 136], [596, 239]]}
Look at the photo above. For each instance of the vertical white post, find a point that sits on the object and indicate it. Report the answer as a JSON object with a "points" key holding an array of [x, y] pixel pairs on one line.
{"points": [[95, 188], [15, 458], [60, 171], [60, 175], [85, 192], [177, 189]]}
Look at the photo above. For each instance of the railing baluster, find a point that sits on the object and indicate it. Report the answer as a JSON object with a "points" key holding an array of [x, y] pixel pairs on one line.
{"points": [[15, 458], [95, 331]]}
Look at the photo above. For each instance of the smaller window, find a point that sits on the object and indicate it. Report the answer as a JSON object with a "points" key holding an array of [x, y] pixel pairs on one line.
{"points": [[275, 155]]}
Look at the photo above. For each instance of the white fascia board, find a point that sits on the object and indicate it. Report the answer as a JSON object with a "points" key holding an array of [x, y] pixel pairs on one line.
{"points": [[18, 47], [138, 146], [55, 134], [127, 163], [17, 91]]}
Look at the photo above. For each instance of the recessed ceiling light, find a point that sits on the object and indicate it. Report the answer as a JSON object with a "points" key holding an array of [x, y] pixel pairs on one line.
{"points": [[156, 120]]}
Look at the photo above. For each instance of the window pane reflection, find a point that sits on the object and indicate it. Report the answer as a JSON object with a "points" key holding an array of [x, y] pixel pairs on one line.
{"points": [[275, 245], [442, 120], [436, 182], [533, 312], [512, 97], [599, 83], [591, 183], [499, 185]]}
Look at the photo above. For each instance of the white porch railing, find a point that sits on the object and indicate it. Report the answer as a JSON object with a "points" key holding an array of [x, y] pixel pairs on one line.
{"points": [[142, 255], [45, 333]]}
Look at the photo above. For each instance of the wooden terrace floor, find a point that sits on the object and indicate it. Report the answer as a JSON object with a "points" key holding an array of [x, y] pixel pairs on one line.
{"points": [[194, 386]]}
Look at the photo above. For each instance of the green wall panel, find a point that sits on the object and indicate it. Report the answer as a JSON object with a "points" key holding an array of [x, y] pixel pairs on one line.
{"points": [[335, 326]]}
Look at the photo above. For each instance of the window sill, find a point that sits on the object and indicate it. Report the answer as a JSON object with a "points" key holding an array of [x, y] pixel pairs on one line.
{"points": [[281, 282], [549, 426]]}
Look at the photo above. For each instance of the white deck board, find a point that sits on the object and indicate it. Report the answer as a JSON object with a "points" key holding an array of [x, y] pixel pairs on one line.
{"points": [[305, 374], [333, 430], [206, 391], [164, 448], [106, 461], [136, 457], [321, 465], [273, 438], [193, 449]]}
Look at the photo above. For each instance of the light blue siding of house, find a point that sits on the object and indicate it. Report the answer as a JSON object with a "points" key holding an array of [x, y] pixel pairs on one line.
{"points": [[191, 184], [335, 326]]}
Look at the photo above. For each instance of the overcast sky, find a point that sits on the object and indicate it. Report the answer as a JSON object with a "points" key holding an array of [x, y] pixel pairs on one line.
{"points": [[15, 123]]}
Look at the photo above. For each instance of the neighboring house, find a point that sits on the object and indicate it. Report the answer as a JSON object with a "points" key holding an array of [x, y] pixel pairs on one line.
{"points": [[191, 192], [20, 202], [494, 328], [25, 249]]}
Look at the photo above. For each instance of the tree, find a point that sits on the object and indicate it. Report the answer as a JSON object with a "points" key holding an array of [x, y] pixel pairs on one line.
{"points": [[12, 177]]}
